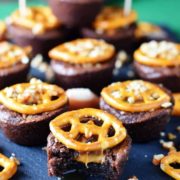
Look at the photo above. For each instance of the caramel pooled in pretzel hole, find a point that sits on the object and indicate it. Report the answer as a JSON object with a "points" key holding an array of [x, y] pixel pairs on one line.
{"points": [[88, 131], [33, 98], [135, 96]]}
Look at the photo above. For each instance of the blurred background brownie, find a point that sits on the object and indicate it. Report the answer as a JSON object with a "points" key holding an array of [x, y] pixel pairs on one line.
{"points": [[159, 62], [2, 31], [143, 107], [146, 32], [114, 26], [84, 63], [76, 12], [37, 27], [26, 110], [14, 63], [89, 150]]}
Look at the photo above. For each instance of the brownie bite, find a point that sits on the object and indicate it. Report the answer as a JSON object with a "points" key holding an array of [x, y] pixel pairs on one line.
{"points": [[2, 31], [143, 107], [26, 110], [146, 32], [159, 62], [14, 63], [38, 27], [114, 27], [90, 141], [86, 63], [75, 13]]}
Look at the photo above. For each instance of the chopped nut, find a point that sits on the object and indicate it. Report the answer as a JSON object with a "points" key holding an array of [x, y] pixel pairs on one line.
{"points": [[166, 105], [13, 158], [131, 100], [171, 136], [178, 128], [157, 159], [169, 145], [162, 134]]}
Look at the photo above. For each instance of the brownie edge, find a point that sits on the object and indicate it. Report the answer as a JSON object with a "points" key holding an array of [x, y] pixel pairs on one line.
{"points": [[61, 159]]}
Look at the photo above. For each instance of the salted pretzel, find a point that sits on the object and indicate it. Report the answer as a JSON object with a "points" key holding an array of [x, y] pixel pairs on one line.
{"points": [[134, 96], [113, 18], [176, 108], [172, 157], [88, 128], [158, 54], [11, 54], [33, 98], [9, 167], [38, 19], [82, 51]]}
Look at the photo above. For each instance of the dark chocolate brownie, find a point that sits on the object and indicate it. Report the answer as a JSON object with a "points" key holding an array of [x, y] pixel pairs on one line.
{"points": [[61, 160], [90, 76], [27, 129], [14, 74], [122, 38], [141, 126], [76, 13], [40, 43], [168, 76]]}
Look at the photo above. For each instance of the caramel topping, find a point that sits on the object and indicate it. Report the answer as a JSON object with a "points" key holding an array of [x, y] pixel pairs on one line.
{"points": [[82, 51], [11, 54], [88, 130], [9, 167], [33, 98], [158, 54], [113, 18], [37, 19], [145, 29], [2, 28], [135, 96], [172, 157], [176, 108]]}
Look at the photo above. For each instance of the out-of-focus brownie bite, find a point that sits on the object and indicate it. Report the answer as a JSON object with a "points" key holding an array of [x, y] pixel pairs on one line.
{"points": [[84, 63], [114, 27], [27, 108], [91, 141], [38, 27], [75, 13], [143, 107], [159, 62], [14, 63], [3, 31]]}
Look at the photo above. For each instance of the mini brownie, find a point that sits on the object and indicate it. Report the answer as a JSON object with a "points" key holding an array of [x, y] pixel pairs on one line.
{"points": [[14, 63], [2, 31], [90, 141], [143, 107], [114, 27], [76, 12], [146, 32], [26, 110], [38, 28], [84, 63], [159, 62]]}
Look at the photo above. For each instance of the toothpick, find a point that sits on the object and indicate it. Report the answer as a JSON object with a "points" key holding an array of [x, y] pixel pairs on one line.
{"points": [[127, 7], [22, 7]]}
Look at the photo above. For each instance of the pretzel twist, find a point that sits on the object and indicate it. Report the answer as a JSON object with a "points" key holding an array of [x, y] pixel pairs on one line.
{"points": [[33, 98], [172, 157], [88, 129], [176, 108], [134, 96], [10, 167]]}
